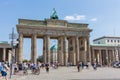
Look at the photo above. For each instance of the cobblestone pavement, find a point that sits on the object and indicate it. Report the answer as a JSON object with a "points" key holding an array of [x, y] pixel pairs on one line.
{"points": [[70, 73]]}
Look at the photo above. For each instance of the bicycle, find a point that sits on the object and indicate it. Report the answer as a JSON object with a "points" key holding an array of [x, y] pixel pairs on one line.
{"points": [[37, 71]]}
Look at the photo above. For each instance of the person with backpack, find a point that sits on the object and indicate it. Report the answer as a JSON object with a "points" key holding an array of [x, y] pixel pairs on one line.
{"points": [[4, 70], [1, 68]]}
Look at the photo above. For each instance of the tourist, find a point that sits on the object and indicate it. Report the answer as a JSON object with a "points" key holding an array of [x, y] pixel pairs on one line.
{"points": [[53, 65], [4, 71], [25, 65], [88, 65], [20, 66], [1, 68], [39, 64], [47, 67], [95, 66], [15, 67], [42, 65], [82, 65], [34, 66], [78, 66], [37, 69]]}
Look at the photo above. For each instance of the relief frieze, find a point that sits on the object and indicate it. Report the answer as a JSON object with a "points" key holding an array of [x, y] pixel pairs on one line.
{"points": [[53, 32]]}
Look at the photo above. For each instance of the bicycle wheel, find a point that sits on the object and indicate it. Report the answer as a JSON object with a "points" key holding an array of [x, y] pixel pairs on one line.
{"points": [[25, 72], [37, 73]]}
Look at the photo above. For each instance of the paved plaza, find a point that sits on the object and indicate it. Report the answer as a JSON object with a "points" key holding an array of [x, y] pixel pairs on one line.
{"points": [[70, 73]]}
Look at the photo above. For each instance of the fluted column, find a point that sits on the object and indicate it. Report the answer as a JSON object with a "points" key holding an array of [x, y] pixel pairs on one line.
{"points": [[93, 56], [88, 50], [77, 50], [113, 55], [110, 56], [60, 51], [20, 53], [85, 50], [33, 48], [97, 56], [4, 54], [72, 55], [107, 58], [100, 57], [46, 51], [65, 50], [119, 54], [16, 54], [9, 55], [116, 54]]}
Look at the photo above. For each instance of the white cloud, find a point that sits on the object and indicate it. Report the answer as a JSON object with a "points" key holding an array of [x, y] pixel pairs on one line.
{"points": [[94, 19], [75, 17]]}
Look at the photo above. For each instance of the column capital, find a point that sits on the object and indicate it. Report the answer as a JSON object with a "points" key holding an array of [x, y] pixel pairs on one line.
{"points": [[21, 33]]}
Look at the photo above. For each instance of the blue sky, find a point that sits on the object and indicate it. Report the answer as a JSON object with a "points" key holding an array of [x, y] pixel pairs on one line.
{"points": [[103, 16]]}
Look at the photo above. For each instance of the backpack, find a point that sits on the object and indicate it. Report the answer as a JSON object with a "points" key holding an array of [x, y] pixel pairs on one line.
{"points": [[1, 68]]}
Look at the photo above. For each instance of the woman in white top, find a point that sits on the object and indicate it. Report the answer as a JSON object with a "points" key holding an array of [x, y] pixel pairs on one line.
{"points": [[4, 71]]}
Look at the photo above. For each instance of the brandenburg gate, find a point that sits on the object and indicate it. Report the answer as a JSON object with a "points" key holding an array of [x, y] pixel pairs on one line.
{"points": [[73, 39]]}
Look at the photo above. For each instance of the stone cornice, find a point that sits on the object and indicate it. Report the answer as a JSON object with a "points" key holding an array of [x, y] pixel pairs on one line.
{"points": [[5, 46], [52, 28], [52, 23]]}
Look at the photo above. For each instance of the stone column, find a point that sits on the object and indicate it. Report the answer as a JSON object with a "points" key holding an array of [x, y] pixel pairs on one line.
{"points": [[33, 48], [77, 50], [88, 50], [74, 52], [65, 50], [60, 51], [20, 51], [4, 54], [46, 51], [100, 57], [9, 56], [97, 56], [72, 55], [69, 49], [110, 56], [107, 59], [113, 55], [119, 54], [116, 54], [93, 55], [16, 54], [48, 48], [85, 50]]}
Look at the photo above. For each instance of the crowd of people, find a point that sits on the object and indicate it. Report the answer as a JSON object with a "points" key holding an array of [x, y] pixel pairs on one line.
{"points": [[22, 68], [81, 65], [34, 67]]}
